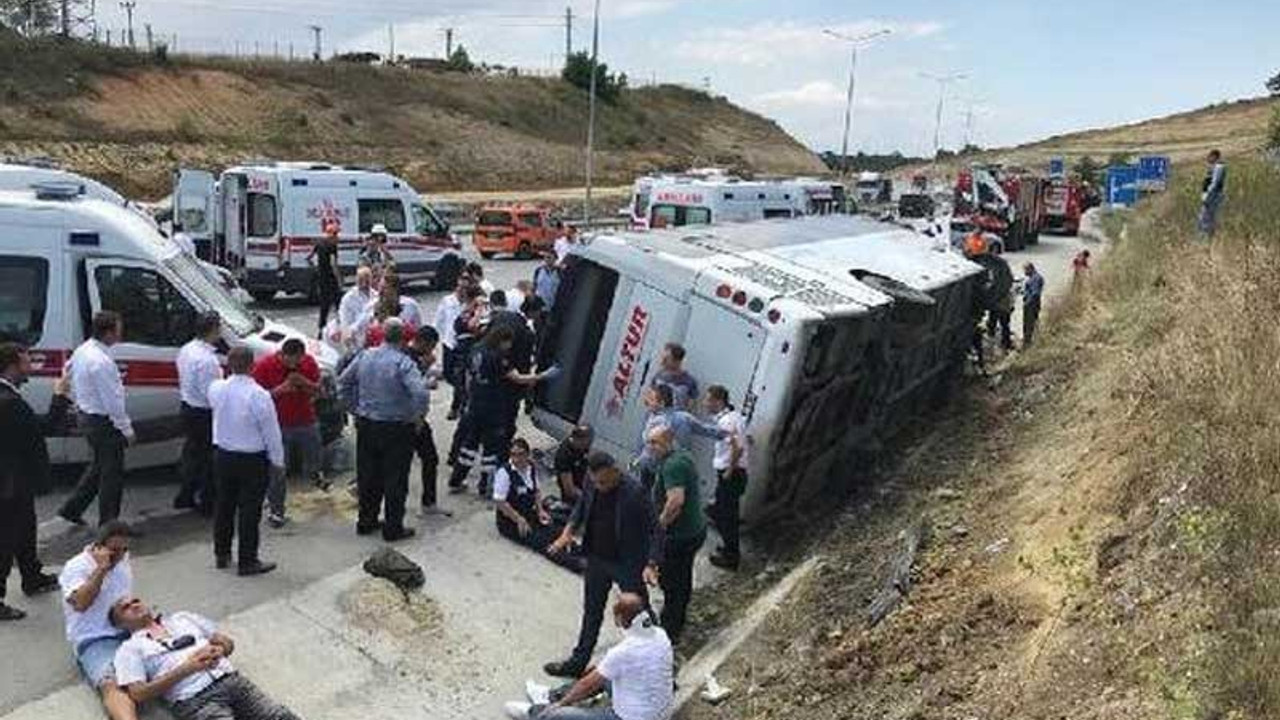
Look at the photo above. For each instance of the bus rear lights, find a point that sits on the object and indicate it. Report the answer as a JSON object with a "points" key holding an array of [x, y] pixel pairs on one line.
{"points": [[724, 291], [740, 298], [756, 305], [775, 317]]}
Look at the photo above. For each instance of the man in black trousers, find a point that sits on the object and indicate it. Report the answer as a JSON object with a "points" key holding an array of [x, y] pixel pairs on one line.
{"points": [[24, 466], [620, 537], [423, 351], [246, 433], [198, 367]]}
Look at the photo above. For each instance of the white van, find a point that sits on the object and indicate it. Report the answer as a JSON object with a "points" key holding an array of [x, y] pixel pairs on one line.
{"points": [[829, 333], [263, 219], [677, 202], [65, 257]]}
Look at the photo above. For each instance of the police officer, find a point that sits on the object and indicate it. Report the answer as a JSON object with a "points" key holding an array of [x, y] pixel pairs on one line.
{"points": [[24, 467], [389, 395]]}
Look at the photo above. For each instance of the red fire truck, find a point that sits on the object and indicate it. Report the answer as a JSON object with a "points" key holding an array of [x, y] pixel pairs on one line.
{"points": [[1065, 202], [1009, 202]]}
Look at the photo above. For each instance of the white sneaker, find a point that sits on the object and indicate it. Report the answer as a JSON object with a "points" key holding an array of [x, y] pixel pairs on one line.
{"points": [[537, 693], [517, 710]]}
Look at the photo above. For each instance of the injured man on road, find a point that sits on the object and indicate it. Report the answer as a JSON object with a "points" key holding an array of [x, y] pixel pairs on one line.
{"points": [[183, 658], [636, 673]]}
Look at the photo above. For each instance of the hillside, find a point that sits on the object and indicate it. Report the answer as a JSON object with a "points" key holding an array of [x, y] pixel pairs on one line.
{"points": [[1235, 127], [129, 120]]}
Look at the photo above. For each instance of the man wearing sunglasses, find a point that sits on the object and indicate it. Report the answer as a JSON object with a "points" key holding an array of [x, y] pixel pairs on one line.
{"points": [[183, 658]]}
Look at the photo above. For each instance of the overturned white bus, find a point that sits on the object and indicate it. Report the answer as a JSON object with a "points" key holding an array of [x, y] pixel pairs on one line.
{"points": [[829, 333]]}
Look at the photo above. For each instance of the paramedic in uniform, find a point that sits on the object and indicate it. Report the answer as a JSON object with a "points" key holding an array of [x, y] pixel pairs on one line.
{"points": [[99, 395], [387, 392], [446, 316], [246, 433], [198, 367]]}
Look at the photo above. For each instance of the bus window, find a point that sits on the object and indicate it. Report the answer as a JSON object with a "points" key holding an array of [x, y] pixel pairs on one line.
{"points": [[573, 336]]}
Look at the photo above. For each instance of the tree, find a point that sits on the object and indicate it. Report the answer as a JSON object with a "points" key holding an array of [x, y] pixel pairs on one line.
{"points": [[1087, 168], [460, 61], [577, 72], [30, 17], [1273, 131], [1119, 158], [1273, 85]]}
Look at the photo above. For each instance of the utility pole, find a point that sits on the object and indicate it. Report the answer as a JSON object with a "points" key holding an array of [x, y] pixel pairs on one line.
{"points": [[448, 43], [391, 37], [943, 82], [854, 44], [151, 44], [568, 34], [591, 120], [65, 8], [318, 54], [128, 6]]}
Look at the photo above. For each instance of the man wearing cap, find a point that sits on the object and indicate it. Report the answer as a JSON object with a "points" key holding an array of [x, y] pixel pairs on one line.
{"points": [[375, 255], [620, 536]]}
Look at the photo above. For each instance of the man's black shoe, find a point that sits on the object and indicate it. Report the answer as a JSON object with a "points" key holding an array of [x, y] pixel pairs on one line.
{"points": [[73, 519], [44, 583], [256, 568], [398, 535], [368, 529], [8, 614], [222, 562], [725, 562], [565, 669]]}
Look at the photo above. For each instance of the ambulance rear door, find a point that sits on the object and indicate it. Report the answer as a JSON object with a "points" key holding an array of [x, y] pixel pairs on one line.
{"points": [[194, 208]]}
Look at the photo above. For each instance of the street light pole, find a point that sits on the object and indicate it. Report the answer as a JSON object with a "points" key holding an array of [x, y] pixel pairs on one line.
{"points": [[943, 81], [854, 44], [591, 120]]}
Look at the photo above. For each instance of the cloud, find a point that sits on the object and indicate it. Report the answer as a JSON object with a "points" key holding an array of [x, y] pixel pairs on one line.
{"points": [[640, 8], [770, 42], [816, 94]]}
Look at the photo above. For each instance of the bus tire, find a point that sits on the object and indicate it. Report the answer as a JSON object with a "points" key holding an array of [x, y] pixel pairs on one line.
{"points": [[262, 297], [487, 255]]}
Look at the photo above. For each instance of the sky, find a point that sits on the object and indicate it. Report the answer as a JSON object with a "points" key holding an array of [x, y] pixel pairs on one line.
{"points": [[1032, 68]]}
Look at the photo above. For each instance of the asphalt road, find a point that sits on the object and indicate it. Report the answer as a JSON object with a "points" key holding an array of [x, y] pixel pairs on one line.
{"points": [[501, 610]]}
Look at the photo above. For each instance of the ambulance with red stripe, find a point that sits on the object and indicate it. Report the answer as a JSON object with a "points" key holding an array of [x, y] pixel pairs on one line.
{"points": [[263, 219], [66, 256]]}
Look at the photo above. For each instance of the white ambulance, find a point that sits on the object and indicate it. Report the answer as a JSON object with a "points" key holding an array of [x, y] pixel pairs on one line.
{"points": [[829, 332], [264, 218], [681, 201], [66, 256]]}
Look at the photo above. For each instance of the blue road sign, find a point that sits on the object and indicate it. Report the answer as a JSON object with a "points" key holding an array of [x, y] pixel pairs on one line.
{"points": [[1057, 167], [1122, 185], [1153, 173]]}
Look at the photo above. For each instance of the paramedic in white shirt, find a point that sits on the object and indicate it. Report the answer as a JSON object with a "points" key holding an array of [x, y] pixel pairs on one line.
{"points": [[182, 657], [447, 314], [353, 304], [91, 583], [730, 464], [638, 673], [99, 395], [247, 438], [198, 367]]}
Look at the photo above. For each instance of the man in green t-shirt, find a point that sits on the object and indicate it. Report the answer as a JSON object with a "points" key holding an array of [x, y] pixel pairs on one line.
{"points": [[678, 497]]}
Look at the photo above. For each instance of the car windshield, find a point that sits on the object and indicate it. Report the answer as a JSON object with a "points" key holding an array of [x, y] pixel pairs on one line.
{"points": [[494, 218], [208, 290]]}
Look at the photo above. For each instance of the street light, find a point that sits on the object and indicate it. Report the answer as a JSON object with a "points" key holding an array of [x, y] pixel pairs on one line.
{"points": [[591, 121], [943, 81], [854, 44]]}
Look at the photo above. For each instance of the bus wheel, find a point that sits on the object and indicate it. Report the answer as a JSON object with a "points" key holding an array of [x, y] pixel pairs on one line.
{"points": [[487, 255]]}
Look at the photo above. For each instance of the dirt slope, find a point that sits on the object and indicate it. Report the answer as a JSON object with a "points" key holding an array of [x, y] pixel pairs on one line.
{"points": [[133, 122]]}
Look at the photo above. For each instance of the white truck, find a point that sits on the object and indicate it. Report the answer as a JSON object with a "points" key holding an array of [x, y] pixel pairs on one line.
{"points": [[874, 188], [829, 332], [263, 219]]}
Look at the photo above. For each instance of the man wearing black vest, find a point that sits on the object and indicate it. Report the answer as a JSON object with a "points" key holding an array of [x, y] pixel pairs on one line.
{"points": [[620, 536], [24, 466]]}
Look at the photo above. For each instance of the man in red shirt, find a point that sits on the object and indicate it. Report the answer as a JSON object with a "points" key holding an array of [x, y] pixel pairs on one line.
{"points": [[293, 379]]}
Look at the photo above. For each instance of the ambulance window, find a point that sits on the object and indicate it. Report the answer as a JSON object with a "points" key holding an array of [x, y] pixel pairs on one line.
{"points": [[642, 204], [261, 215], [426, 223], [664, 216], [23, 288], [155, 312], [696, 216], [382, 212]]}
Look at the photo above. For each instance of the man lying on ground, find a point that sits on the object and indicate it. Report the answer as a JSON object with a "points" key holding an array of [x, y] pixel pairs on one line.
{"points": [[183, 658], [636, 672]]}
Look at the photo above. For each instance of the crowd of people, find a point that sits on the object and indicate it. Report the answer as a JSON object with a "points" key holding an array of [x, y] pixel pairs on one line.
{"points": [[633, 523]]}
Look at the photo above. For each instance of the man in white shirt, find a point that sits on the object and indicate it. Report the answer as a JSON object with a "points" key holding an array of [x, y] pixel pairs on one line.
{"points": [[638, 673], [446, 318], [99, 396], [390, 303], [198, 367], [353, 305], [730, 464], [91, 583], [183, 658], [246, 435], [566, 245]]}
